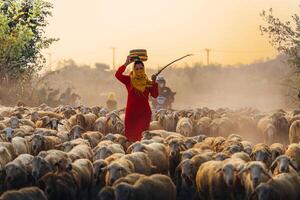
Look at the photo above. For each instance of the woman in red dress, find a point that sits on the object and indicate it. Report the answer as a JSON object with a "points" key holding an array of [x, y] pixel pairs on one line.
{"points": [[138, 112]]}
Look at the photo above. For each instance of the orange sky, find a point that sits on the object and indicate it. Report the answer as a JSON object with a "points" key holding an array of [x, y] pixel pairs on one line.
{"points": [[166, 28]]}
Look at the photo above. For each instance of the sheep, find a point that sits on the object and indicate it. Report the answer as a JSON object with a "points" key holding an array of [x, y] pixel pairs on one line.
{"points": [[101, 125], [59, 186], [40, 167], [282, 165], [175, 147], [5, 157], [76, 132], [32, 193], [45, 132], [18, 172], [156, 187], [252, 174], [130, 179], [69, 145], [82, 171], [241, 155], [54, 123], [294, 132], [210, 184], [137, 162], [247, 146], [106, 193], [261, 152], [100, 169], [117, 169], [21, 145], [52, 156], [43, 122], [202, 126], [277, 149], [157, 153], [282, 186], [293, 151], [9, 133], [184, 126], [43, 143], [93, 137], [81, 151], [86, 121], [155, 125], [105, 151], [9, 146], [186, 172]]}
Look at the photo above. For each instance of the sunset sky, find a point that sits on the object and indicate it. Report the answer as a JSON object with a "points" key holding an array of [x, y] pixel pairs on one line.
{"points": [[166, 28]]}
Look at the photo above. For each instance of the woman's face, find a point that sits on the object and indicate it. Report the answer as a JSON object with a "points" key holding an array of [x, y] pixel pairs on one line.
{"points": [[139, 69]]}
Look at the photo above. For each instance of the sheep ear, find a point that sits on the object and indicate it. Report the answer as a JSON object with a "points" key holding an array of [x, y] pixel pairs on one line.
{"points": [[273, 165], [293, 165], [60, 123], [266, 173], [129, 149]]}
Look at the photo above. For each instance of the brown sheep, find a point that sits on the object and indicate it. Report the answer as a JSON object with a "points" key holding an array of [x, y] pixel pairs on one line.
{"points": [[43, 143], [18, 172], [81, 151], [9, 146], [32, 193], [59, 186], [282, 186], [86, 121], [262, 152], [294, 132], [156, 187], [157, 153], [252, 174], [293, 151], [105, 151], [185, 127], [93, 137], [215, 180], [5, 157], [277, 149], [21, 145], [283, 164]]}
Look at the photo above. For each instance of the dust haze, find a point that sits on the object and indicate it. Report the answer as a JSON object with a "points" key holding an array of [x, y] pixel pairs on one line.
{"points": [[256, 85]]}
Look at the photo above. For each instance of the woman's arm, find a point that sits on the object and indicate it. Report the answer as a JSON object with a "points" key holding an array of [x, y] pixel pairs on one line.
{"points": [[119, 73], [154, 90], [121, 77]]}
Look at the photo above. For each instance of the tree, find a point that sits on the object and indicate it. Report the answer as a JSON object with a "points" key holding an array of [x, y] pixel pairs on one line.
{"points": [[22, 38], [285, 36]]}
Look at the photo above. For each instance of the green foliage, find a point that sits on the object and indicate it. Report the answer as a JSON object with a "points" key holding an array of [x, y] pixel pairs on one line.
{"points": [[22, 24], [285, 36]]}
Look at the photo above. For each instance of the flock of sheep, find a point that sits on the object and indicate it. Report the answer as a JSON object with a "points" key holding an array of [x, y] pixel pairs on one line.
{"points": [[80, 153]]}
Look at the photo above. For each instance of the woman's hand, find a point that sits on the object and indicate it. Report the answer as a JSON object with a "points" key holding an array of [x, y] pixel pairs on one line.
{"points": [[153, 78], [128, 61]]}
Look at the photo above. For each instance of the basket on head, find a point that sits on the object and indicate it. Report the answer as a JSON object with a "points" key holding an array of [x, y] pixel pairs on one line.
{"points": [[138, 55]]}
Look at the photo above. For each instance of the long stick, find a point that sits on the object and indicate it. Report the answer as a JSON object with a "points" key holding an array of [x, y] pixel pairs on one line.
{"points": [[159, 71]]}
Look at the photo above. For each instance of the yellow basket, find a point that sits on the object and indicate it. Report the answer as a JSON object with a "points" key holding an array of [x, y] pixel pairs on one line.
{"points": [[138, 55]]}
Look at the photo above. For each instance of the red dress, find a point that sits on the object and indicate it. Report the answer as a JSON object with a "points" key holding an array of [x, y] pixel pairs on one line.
{"points": [[138, 112]]}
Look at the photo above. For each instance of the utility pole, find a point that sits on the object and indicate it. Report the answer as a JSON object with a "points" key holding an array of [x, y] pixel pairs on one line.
{"points": [[207, 55], [114, 54]]}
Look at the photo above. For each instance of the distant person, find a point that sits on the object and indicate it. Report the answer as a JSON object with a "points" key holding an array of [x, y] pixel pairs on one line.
{"points": [[166, 96], [138, 112], [111, 102]]}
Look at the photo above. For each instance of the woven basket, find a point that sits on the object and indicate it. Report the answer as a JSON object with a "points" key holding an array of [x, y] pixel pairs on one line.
{"points": [[138, 55]]}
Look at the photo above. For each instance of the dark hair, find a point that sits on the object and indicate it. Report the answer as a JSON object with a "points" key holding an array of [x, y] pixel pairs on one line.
{"points": [[139, 62]]}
